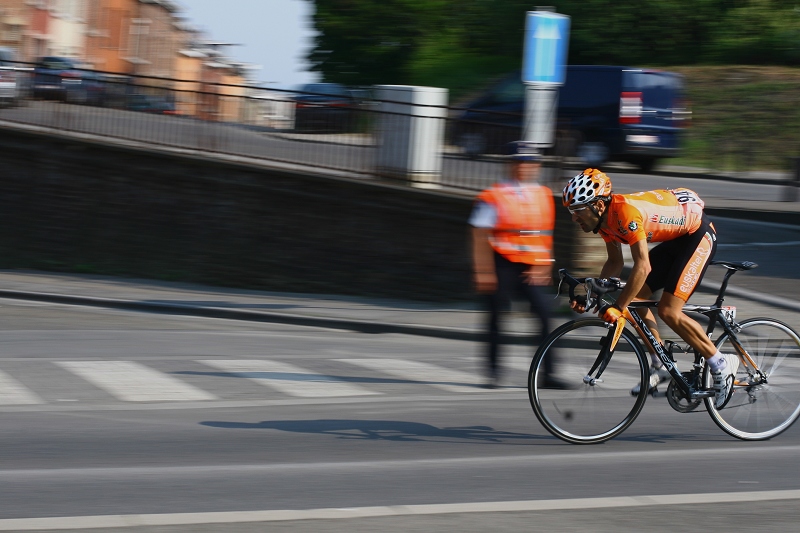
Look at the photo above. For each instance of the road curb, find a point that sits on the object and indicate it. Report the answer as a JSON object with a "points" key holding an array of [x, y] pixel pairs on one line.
{"points": [[360, 326]]}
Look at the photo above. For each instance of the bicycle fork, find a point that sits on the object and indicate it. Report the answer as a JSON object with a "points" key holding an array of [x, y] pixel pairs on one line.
{"points": [[608, 343]]}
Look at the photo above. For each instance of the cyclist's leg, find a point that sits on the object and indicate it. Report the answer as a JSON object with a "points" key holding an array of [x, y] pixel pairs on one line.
{"points": [[662, 264], [670, 310], [691, 255], [649, 319], [697, 251]]}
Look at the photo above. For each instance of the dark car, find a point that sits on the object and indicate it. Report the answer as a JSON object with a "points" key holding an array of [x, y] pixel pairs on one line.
{"points": [[60, 78], [151, 104], [604, 114], [10, 79], [327, 107]]}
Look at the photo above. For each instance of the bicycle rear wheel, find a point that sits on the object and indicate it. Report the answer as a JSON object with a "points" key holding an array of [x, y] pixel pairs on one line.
{"points": [[587, 413], [761, 408]]}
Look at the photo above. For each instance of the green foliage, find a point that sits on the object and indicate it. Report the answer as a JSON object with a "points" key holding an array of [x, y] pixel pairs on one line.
{"points": [[460, 43], [743, 117], [759, 32], [364, 42]]}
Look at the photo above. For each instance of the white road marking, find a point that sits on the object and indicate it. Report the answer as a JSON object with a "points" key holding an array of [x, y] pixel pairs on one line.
{"points": [[423, 373], [133, 382], [289, 379], [234, 517], [12, 392]]}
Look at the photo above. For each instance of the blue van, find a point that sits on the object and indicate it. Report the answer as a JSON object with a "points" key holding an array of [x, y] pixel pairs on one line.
{"points": [[605, 113]]}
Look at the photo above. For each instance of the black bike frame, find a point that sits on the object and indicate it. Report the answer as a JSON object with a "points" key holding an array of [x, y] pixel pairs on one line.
{"points": [[713, 312]]}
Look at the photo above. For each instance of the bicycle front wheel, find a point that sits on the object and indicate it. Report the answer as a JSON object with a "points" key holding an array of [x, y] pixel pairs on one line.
{"points": [[582, 411], [762, 406]]}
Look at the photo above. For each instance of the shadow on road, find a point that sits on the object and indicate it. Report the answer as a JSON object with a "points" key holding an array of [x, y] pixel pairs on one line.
{"points": [[389, 430]]}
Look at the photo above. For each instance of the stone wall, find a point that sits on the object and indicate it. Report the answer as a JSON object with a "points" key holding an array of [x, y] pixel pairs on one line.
{"points": [[67, 205]]}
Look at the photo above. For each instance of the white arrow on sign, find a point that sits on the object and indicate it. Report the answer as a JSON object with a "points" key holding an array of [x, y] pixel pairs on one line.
{"points": [[546, 36]]}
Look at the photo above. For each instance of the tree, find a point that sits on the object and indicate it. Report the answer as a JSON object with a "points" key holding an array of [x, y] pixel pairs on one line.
{"points": [[363, 42], [459, 44]]}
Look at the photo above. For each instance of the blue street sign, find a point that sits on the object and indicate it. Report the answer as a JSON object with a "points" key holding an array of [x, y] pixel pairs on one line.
{"points": [[545, 54]]}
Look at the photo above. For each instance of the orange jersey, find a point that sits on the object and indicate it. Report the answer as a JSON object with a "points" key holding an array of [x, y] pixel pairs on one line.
{"points": [[657, 216]]}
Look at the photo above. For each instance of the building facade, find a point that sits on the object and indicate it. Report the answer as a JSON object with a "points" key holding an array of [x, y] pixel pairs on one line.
{"points": [[146, 41]]}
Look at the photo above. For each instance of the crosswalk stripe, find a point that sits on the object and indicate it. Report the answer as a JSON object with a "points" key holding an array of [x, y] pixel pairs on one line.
{"points": [[424, 373], [289, 379], [133, 382], [12, 392]]}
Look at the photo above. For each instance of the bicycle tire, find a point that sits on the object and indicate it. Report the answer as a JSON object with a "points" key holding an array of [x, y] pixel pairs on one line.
{"points": [[760, 411], [588, 413]]}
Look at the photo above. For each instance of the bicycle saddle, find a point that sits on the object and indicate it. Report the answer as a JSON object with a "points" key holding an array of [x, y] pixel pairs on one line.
{"points": [[736, 265]]}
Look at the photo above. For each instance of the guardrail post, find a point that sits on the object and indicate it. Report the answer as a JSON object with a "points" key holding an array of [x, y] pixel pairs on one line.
{"points": [[793, 183]]}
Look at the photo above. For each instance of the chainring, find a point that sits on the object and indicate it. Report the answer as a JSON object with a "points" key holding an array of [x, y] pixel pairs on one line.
{"points": [[678, 401]]}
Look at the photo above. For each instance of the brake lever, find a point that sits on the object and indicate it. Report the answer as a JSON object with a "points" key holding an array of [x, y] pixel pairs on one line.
{"points": [[590, 301]]}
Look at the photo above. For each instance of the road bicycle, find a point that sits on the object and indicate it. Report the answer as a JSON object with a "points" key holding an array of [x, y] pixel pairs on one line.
{"points": [[599, 363]]}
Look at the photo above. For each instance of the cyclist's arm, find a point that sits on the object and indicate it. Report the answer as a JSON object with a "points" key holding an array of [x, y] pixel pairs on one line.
{"points": [[611, 268], [639, 272], [613, 265]]}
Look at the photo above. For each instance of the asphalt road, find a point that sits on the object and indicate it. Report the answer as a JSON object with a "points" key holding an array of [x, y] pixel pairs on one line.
{"points": [[775, 247], [122, 415], [708, 189]]}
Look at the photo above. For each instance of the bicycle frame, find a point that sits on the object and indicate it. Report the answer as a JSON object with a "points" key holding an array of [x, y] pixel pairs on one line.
{"points": [[716, 313], [690, 390]]}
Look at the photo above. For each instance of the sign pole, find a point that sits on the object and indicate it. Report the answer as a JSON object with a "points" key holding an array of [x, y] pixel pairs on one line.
{"points": [[543, 72]]}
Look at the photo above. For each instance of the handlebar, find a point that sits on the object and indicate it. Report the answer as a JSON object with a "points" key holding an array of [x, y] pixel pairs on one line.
{"points": [[595, 287]]}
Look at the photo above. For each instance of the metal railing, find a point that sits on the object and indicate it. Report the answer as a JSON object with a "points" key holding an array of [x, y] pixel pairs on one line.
{"points": [[273, 127]]}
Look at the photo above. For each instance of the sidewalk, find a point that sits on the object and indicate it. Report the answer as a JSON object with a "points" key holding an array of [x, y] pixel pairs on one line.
{"points": [[459, 321]]}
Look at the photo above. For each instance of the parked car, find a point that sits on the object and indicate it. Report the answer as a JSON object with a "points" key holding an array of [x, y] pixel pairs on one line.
{"points": [[604, 113], [115, 90], [60, 78], [151, 104], [10, 78], [328, 107]]}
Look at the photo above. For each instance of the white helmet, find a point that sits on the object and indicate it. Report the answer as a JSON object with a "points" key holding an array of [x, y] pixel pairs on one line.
{"points": [[586, 187]]}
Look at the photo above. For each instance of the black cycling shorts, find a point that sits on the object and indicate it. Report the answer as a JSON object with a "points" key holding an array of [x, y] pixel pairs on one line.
{"points": [[677, 266]]}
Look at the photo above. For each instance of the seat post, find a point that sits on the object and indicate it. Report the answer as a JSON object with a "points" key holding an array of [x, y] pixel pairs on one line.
{"points": [[724, 286]]}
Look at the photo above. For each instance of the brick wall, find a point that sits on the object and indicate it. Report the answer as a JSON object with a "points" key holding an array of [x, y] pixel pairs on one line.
{"points": [[79, 207]]}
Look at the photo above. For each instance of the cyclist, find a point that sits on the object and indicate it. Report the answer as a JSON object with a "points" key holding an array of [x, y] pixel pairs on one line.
{"points": [[675, 219]]}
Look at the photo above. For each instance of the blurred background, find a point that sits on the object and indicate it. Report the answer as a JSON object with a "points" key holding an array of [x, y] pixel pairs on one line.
{"points": [[737, 59], [414, 96]]}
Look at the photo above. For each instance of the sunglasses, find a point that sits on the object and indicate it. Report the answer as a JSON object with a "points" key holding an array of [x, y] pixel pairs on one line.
{"points": [[576, 210]]}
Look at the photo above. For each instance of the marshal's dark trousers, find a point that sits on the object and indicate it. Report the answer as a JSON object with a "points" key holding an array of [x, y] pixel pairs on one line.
{"points": [[511, 284]]}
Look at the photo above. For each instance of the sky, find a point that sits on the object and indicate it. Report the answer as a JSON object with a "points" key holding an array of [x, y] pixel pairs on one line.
{"points": [[275, 34]]}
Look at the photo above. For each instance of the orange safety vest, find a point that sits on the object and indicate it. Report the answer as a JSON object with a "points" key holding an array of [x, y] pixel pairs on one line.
{"points": [[526, 216]]}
